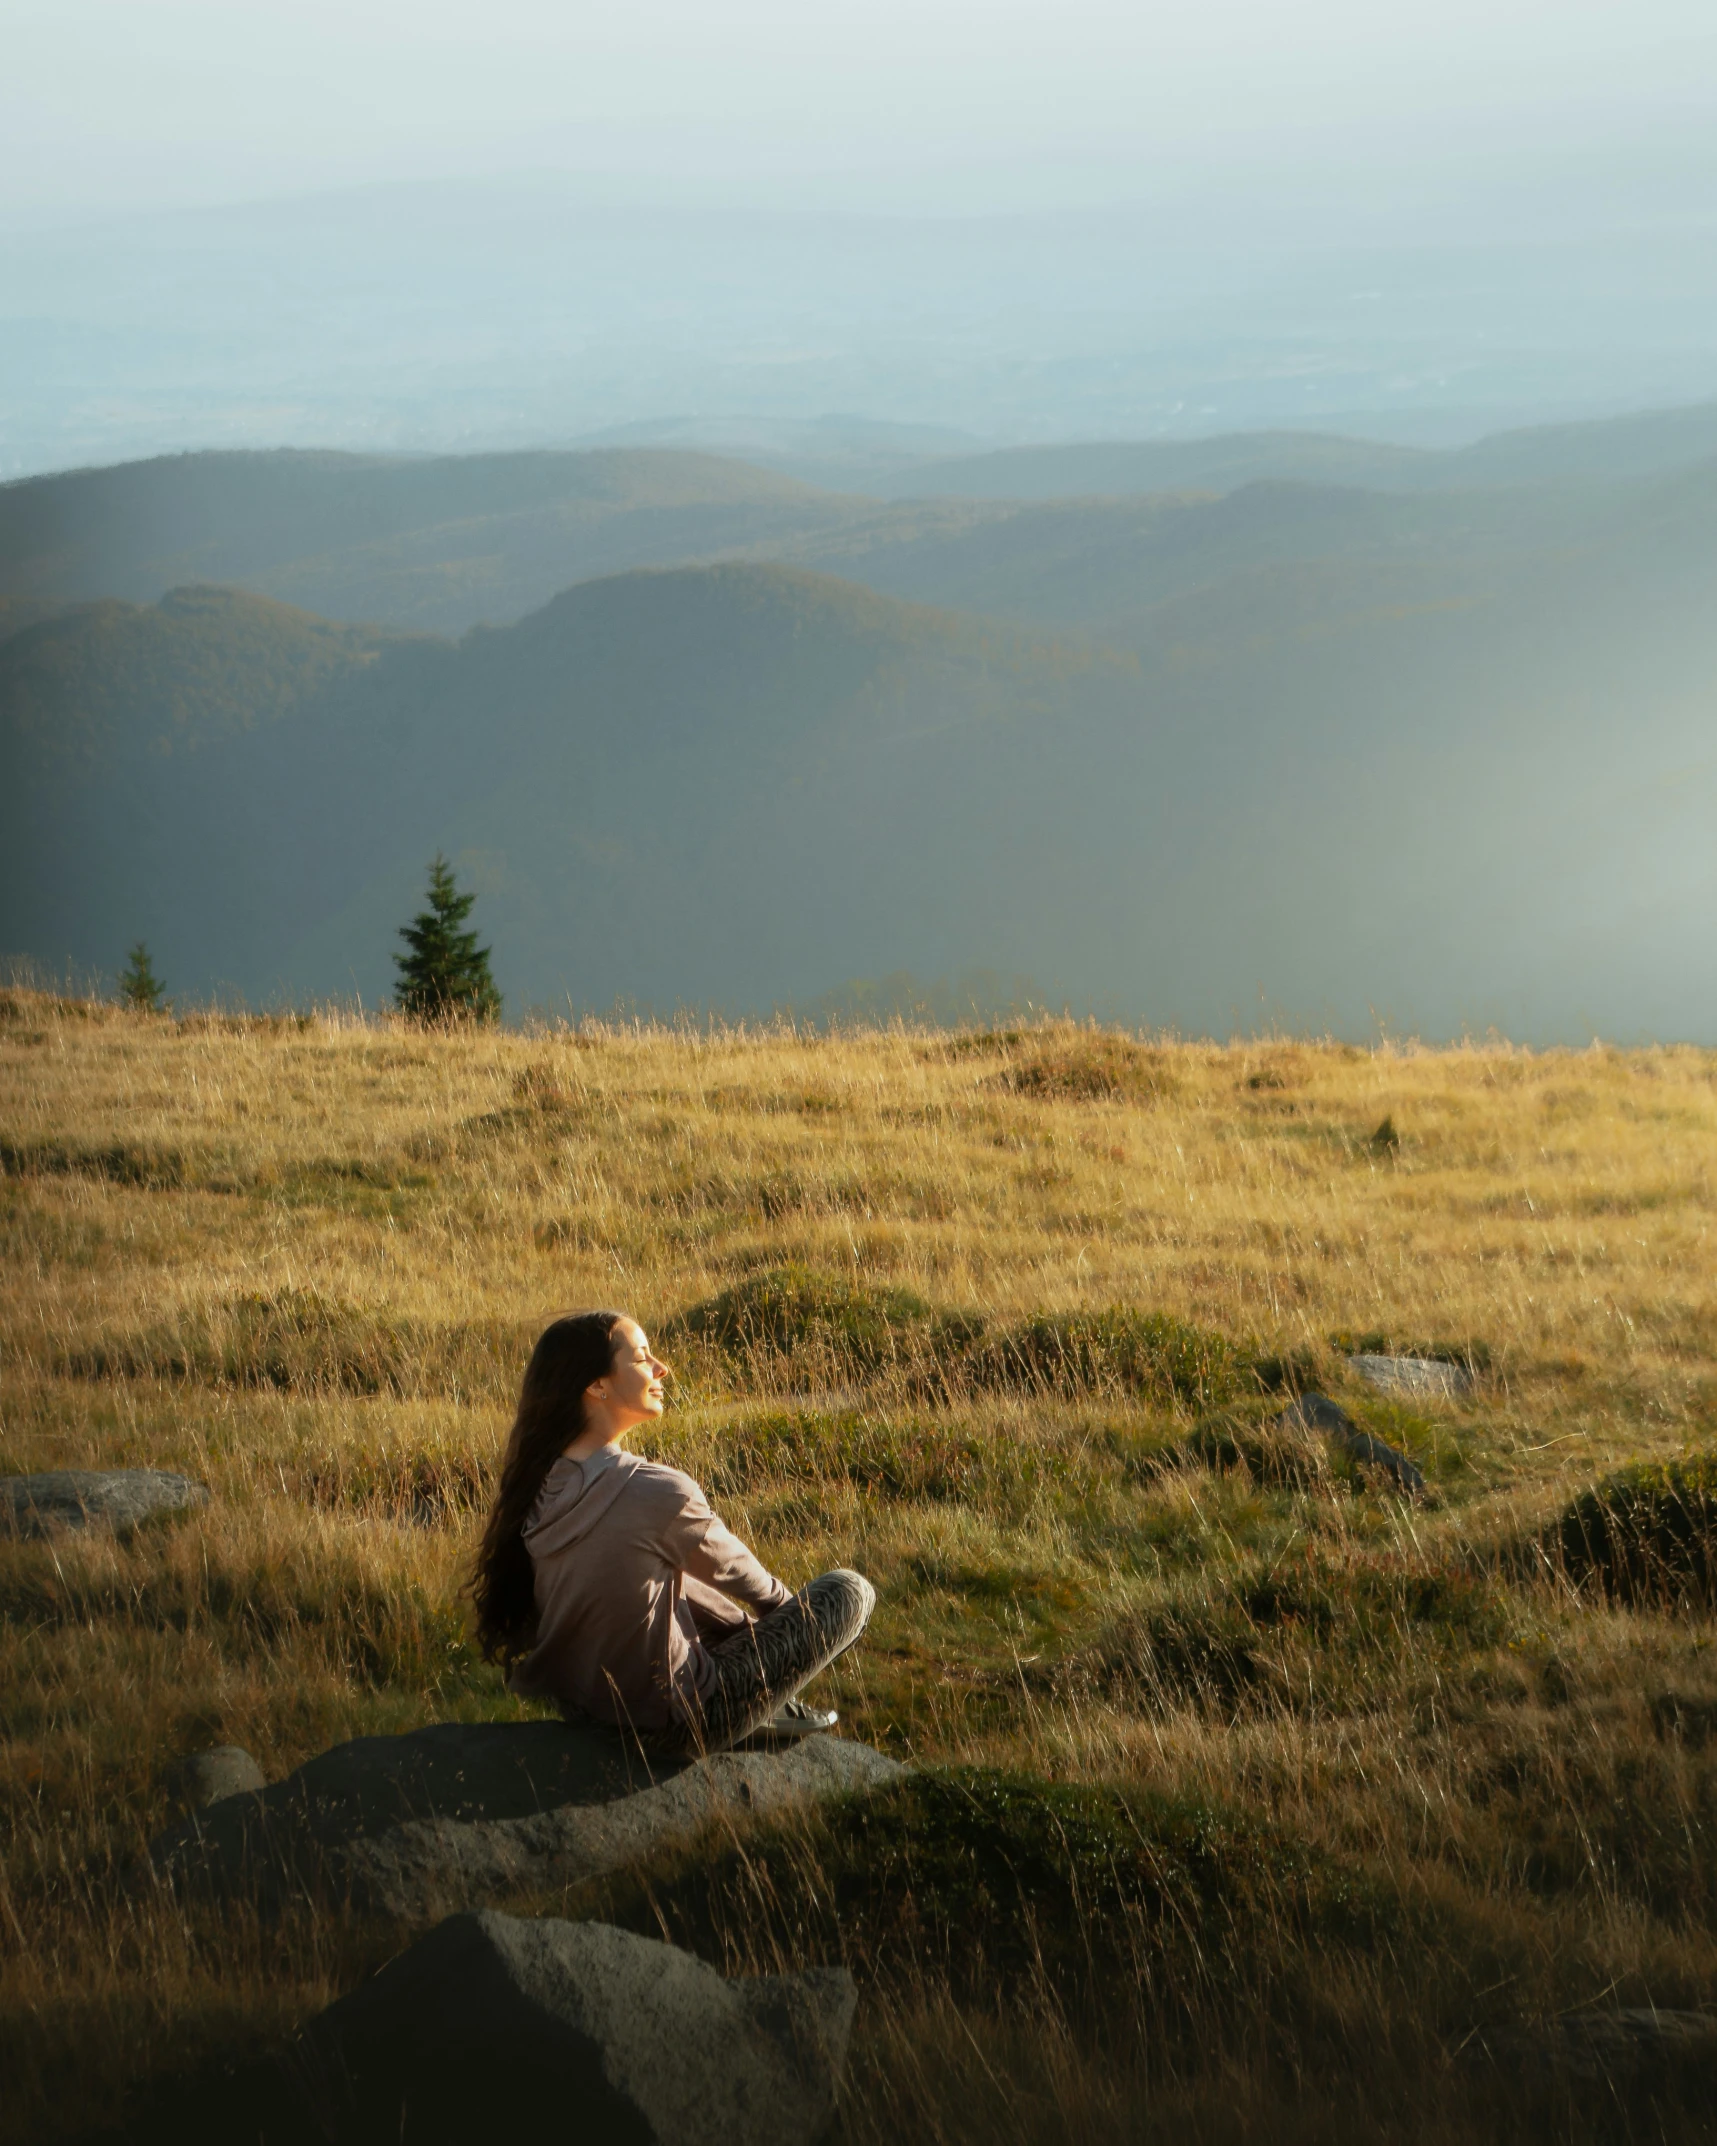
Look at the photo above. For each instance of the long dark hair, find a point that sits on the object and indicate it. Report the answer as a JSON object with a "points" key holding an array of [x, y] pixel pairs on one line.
{"points": [[569, 1356]]}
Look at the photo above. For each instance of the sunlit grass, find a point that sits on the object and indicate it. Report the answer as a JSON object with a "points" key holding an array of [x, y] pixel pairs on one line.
{"points": [[1045, 1292]]}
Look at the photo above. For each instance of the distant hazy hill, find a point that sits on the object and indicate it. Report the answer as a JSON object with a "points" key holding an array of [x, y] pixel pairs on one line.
{"points": [[1634, 446], [1105, 567], [438, 542], [1113, 468], [1298, 796], [1644, 445]]}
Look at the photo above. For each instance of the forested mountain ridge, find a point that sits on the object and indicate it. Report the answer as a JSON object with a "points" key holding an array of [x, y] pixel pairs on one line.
{"points": [[673, 785], [106, 683], [439, 542], [1297, 796]]}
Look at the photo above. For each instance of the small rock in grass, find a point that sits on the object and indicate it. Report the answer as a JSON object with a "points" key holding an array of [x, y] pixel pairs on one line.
{"points": [[115, 1498], [208, 1777], [1627, 2045], [1419, 1375], [1317, 1412], [620, 2037]]}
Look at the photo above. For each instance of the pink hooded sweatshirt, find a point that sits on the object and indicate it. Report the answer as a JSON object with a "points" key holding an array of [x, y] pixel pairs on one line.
{"points": [[635, 1577]]}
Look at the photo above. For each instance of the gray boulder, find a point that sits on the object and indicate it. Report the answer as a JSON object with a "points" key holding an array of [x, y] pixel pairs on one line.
{"points": [[1421, 1377], [115, 1498], [493, 2024], [207, 1777], [1317, 1412], [465, 1812], [1628, 2046]]}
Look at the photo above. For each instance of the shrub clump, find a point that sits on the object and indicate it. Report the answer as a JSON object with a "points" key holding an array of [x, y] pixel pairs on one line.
{"points": [[1310, 1633], [1085, 1067], [1646, 1535], [325, 1607], [1174, 1654], [1148, 1355], [826, 1324], [1273, 1456], [794, 1311], [123, 1162]]}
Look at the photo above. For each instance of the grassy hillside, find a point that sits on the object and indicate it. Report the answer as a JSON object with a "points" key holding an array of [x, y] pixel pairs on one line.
{"points": [[1256, 1803]]}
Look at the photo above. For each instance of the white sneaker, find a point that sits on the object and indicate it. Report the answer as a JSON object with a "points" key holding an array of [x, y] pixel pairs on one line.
{"points": [[798, 1719], [791, 1722]]}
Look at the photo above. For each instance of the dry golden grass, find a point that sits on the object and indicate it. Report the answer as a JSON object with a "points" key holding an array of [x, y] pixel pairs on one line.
{"points": [[303, 1260]]}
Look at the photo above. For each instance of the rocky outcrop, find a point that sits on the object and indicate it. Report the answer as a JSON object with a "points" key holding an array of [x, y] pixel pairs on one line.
{"points": [[460, 1814], [1628, 2046], [1317, 1412], [115, 1498], [575, 2030]]}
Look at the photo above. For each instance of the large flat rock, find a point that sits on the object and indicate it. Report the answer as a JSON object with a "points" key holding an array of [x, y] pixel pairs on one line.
{"points": [[460, 1814], [117, 1498], [494, 2025]]}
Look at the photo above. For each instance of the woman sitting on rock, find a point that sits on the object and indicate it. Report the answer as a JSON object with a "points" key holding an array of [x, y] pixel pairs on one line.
{"points": [[607, 1584]]}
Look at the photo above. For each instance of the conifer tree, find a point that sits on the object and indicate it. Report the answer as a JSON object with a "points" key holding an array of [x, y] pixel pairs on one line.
{"points": [[445, 976], [139, 986]]}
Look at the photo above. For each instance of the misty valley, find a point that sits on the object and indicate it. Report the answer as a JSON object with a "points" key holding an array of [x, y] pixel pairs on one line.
{"points": [[1277, 727]]}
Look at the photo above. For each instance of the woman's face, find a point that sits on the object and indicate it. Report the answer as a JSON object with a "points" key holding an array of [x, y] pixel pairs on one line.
{"points": [[631, 1392]]}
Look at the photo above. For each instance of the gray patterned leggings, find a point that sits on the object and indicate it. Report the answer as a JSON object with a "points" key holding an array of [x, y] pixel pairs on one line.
{"points": [[759, 1669]]}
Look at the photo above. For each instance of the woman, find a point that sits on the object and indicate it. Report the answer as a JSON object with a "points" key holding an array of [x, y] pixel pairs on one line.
{"points": [[606, 1583]]}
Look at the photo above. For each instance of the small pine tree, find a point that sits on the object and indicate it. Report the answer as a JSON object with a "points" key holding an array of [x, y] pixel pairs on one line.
{"points": [[445, 976], [139, 986]]}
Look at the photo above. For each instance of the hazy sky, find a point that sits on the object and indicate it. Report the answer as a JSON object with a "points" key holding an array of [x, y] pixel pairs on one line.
{"points": [[960, 104]]}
